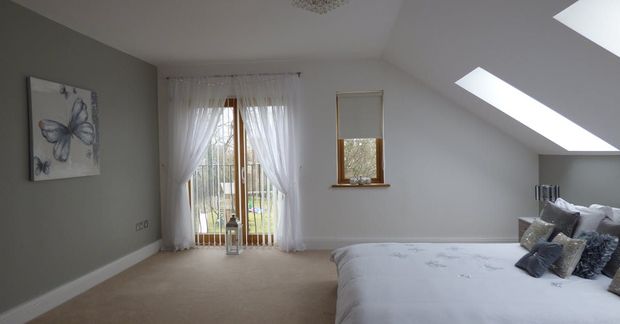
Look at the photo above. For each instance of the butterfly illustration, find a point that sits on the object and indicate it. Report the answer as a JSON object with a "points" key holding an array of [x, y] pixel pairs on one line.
{"points": [[60, 135], [41, 166], [63, 91]]}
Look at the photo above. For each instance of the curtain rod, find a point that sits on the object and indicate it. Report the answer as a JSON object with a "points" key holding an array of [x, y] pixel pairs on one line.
{"points": [[234, 75]]}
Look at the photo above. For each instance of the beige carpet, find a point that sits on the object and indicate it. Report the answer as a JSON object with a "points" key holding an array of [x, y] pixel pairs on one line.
{"points": [[206, 286]]}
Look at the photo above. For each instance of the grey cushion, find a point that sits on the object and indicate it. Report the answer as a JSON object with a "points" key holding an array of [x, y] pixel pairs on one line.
{"points": [[611, 228], [614, 287], [598, 251], [540, 258], [538, 231], [589, 218], [564, 221], [571, 253]]}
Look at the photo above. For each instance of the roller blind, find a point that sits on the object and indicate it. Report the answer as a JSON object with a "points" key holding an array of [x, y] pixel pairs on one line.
{"points": [[360, 115]]}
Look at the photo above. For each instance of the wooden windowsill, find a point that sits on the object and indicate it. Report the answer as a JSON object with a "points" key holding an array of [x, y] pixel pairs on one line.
{"points": [[372, 185]]}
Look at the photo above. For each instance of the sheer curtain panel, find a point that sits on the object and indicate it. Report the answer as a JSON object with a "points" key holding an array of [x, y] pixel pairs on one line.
{"points": [[268, 104], [194, 108]]}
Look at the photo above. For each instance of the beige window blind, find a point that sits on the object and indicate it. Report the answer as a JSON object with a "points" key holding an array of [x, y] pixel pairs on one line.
{"points": [[360, 114]]}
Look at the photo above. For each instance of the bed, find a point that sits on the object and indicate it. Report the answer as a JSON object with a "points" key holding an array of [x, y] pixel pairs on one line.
{"points": [[461, 283]]}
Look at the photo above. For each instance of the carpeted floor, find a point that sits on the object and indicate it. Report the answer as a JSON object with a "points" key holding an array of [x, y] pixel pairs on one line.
{"points": [[205, 286]]}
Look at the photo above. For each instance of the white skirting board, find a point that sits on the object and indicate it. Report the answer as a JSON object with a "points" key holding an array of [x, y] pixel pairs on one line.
{"points": [[321, 243], [53, 298]]}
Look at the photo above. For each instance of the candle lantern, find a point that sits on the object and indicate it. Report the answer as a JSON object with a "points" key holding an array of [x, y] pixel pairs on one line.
{"points": [[233, 236]]}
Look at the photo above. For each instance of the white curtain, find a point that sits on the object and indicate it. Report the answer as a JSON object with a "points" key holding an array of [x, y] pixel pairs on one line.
{"points": [[194, 108], [268, 104]]}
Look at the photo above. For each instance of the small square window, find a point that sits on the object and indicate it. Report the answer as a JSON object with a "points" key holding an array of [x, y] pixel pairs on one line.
{"points": [[360, 157]]}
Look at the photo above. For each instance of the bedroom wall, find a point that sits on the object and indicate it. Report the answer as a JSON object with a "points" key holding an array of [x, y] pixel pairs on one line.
{"points": [[583, 180], [453, 177], [53, 232]]}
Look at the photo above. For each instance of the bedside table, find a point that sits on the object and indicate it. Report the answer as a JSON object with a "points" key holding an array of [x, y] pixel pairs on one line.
{"points": [[524, 223]]}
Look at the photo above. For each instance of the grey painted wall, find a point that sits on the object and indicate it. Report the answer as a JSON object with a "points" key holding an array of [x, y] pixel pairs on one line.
{"points": [[583, 179], [52, 232]]}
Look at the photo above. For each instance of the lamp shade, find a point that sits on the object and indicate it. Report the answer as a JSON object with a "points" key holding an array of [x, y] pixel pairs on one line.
{"points": [[546, 192]]}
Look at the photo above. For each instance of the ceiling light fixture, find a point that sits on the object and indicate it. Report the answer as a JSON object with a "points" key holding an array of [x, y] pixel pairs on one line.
{"points": [[318, 6]]}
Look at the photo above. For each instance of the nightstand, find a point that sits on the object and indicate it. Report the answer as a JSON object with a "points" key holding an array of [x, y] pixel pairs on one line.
{"points": [[524, 223]]}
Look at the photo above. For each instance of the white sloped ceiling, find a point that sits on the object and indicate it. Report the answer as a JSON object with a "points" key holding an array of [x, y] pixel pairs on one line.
{"points": [[440, 41], [437, 41]]}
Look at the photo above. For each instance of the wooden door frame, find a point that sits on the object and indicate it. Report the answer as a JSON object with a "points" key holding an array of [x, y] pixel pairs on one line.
{"points": [[240, 200]]}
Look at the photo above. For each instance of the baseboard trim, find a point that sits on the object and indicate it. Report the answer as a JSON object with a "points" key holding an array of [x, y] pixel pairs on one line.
{"points": [[53, 298], [323, 243]]}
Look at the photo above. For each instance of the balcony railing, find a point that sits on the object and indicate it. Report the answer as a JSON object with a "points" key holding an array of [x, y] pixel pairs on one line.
{"points": [[214, 201]]}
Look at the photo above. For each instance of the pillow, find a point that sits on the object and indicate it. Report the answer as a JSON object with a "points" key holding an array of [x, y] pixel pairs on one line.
{"points": [[611, 228], [615, 214], [540, 258], [615, 284], [609, 212], [564, 204], [563, 220], [537, 231], [589, 218], [598, 251], [571, 253]]}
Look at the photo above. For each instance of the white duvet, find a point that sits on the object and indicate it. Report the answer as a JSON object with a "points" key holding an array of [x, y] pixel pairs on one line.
{"points": [[461, 283]]}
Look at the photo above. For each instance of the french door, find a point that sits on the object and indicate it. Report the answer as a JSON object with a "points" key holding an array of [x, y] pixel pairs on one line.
{"points": [[230, 180]]}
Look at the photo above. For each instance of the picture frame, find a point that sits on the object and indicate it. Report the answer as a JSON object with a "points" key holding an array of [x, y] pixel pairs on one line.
{"points": [[64, 130]]}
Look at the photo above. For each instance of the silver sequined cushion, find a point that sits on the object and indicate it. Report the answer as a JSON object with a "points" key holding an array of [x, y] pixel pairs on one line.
{"points": [[571, 253], [615, 284], [538, 231]]}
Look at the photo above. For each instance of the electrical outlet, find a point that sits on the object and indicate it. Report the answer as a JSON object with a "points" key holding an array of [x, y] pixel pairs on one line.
{"points": [[142, 225]]}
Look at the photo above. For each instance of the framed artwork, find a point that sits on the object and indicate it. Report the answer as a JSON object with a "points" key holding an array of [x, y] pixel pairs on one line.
{"points": [[64, 131]]}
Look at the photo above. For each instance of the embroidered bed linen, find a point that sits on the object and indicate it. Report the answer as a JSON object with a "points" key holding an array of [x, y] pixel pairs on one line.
{"points": [[461, 283]]}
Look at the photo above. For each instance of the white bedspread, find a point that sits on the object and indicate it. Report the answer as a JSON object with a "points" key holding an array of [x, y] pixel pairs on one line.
{"points": [[461, 283]]}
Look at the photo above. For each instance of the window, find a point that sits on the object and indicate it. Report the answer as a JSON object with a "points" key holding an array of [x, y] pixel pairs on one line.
{"points": [[360, 136], [531, 113], [597, 20], [230, 180]]}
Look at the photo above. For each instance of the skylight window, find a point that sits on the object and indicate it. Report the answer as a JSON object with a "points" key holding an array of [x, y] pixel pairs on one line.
{"points": [[531, 113], [597, 20]]}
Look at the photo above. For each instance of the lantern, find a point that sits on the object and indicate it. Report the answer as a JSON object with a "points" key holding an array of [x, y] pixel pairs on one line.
{"points": [[233, 236]]}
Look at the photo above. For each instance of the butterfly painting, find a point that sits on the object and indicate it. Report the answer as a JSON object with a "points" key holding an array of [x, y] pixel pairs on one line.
{"points": [[64, 130], [60, 135]]}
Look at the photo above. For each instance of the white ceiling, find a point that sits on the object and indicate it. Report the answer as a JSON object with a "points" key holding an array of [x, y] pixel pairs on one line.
{"points": [[437, 41], [440, 41], [166, 31]]}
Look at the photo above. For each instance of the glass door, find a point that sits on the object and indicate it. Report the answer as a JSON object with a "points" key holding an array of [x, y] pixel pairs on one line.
{"points": [[230, 180]]}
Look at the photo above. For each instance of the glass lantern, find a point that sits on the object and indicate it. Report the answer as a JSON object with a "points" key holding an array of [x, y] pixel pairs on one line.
{"points": [[233, 236]]}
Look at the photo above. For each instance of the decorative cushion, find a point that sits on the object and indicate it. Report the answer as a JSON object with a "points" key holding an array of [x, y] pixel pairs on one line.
{"points": [[614, 287], [611, 228], [589, 218], [538, 231], [598, 251], [563, 220], [540, 258], [571, 253]]}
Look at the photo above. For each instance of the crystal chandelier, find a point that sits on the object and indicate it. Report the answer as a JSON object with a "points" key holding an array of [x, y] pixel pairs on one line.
{"points": [[319, 6]]}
